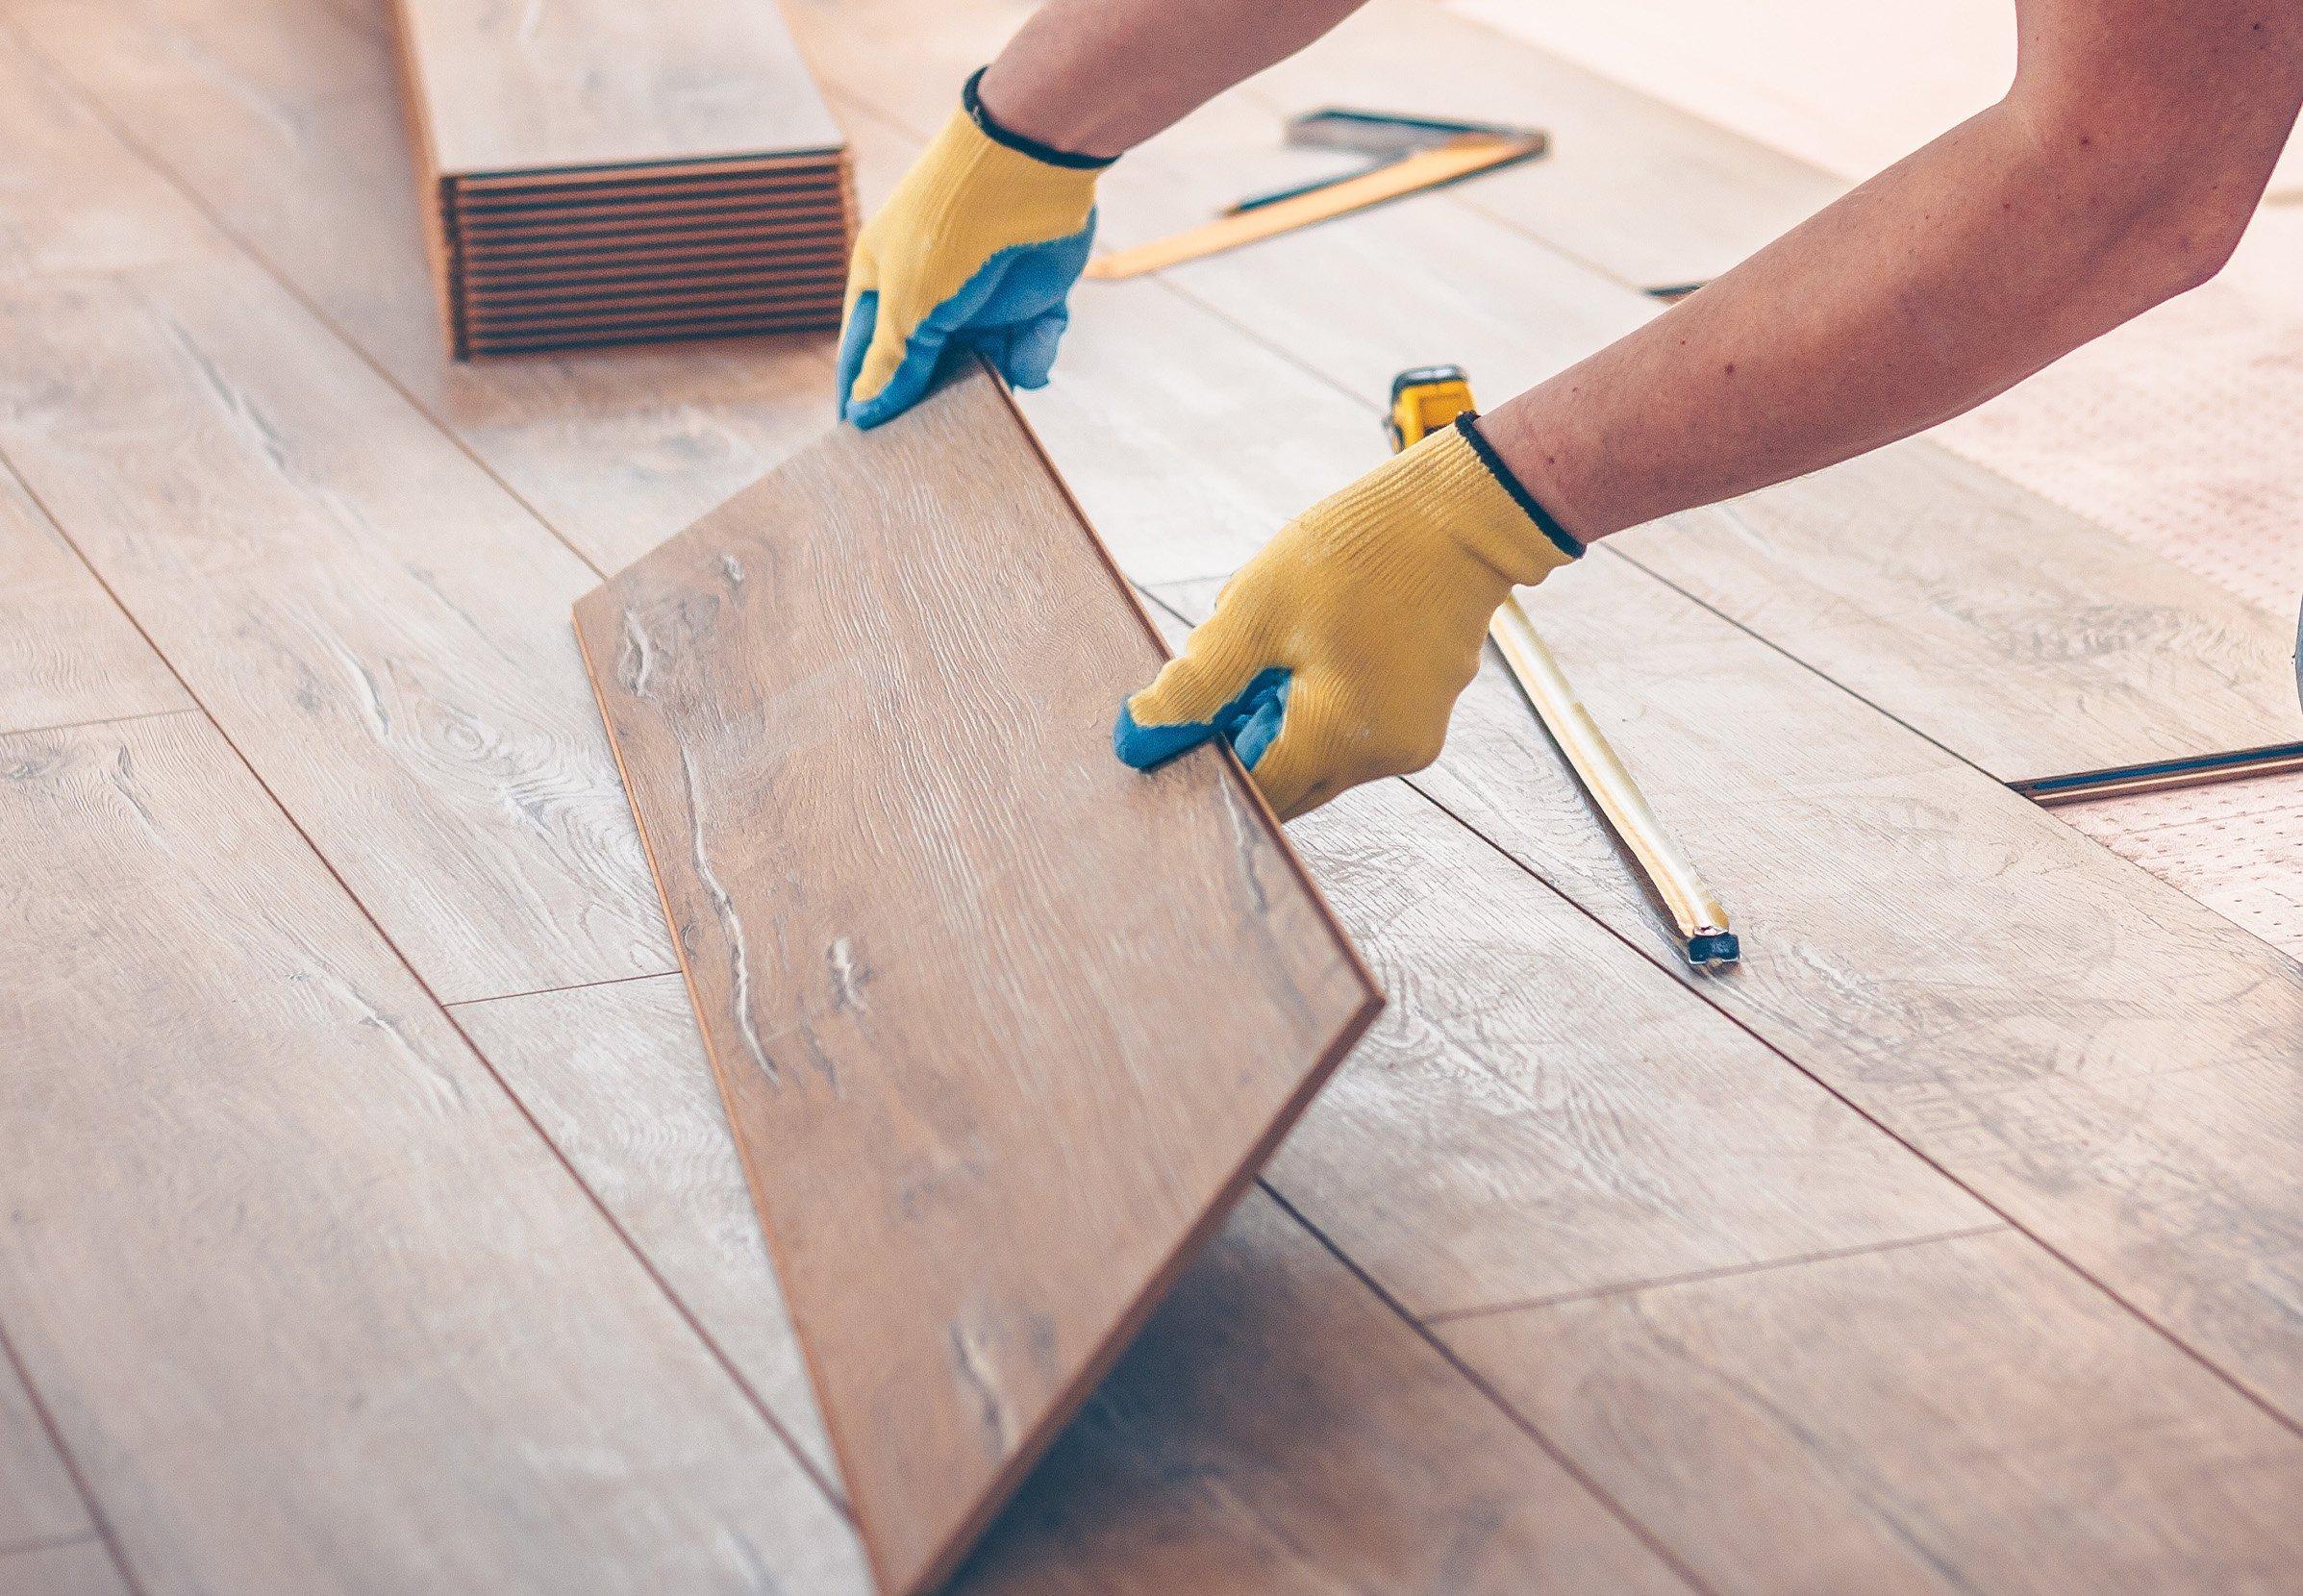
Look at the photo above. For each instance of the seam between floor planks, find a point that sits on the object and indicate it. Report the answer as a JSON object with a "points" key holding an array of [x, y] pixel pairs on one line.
{"points": [[2005, 1220], [144, 156], [598, 1204], [101, 1532]]}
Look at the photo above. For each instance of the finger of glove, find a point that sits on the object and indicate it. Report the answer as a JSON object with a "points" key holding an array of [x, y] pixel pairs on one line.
{"points": [[1296, 768], [1026, 353], [1196, 701], [855, 335], [899, 364]]}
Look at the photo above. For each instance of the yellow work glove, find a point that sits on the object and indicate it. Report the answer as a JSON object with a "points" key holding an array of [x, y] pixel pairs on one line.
{"points": [[1337, 655], [977, 249]]}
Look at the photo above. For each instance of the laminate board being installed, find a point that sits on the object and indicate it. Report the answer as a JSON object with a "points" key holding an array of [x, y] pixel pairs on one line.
{"points": [[1001, 1026], [545, 128]]}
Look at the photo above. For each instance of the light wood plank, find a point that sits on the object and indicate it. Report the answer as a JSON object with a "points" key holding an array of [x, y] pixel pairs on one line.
{"points": [[955, 965], [1959, 1417], [38, 1502], [337, 1319], [281, 117], [584, 83], [617, 1077], [1543, 1113], [66, 653], [84, 1568], [1273, 1428], [369, 619]]}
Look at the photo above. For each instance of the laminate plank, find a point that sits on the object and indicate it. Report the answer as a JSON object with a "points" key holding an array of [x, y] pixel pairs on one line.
{"points": [[2020, 637], [958, 995], [337, 1319], [38, 1502], [66, 653], [1961, 1416], [84, 1568], [1956, 941], [617, 1077], [607, 82], [1273, 1427], [282, 119], [366, 615], [1501, 1136]]}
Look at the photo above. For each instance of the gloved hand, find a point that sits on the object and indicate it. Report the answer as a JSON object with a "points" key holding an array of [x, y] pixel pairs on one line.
{"points": [[976, 249], [1337, 654]]}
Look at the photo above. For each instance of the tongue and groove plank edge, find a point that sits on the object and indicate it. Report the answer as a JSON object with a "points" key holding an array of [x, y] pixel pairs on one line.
{"points": [[1002, 1027]]}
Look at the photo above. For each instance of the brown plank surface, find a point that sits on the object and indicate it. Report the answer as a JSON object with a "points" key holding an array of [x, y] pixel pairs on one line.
{"points": [[38, 1502], [66, 653], [608, 82], [335, 1318], [1001, 1026], [1272, 1428], [84, 1568], [1959, 1416]]}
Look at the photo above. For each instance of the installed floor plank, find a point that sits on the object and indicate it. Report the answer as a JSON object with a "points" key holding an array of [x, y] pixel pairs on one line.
{"points": [[367, 616], [82, 1569], [965, 1048], [38, 1502], [66, 653], [337, 1319], [1959, 1416], [281, 117], [1273, 1428], [616, 1076], [2009, 631]]}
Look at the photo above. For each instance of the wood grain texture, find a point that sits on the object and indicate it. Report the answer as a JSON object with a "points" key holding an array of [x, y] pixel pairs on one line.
{"points": [[556, 83], [617, 1077], [1275, 1428], [38, 1502], [1961, 944], [281, 117], [1541, 1112], [1002, 1026], [337, 1319], [2017, 634], [84, 1568], [1961, 1416], [66, 653], [365, 613], [1272, 1428]]}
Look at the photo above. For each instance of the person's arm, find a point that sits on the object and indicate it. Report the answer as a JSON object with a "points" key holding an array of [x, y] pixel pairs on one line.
{"points": [[2119, 170], [1102, 76]]}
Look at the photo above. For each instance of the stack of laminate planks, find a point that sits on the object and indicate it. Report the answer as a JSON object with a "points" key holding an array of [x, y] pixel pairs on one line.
{"points": [[614, 171]]}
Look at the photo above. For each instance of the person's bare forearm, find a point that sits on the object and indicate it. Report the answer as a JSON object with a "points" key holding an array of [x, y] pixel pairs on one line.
{"points": [[2117, 174], [1098, 77]]}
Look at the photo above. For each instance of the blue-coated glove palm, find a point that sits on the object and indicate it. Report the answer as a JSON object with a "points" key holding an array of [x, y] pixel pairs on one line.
{"points": [[976, 250]]}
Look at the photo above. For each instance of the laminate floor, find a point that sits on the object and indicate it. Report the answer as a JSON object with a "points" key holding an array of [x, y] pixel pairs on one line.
{"points": [[371, 1222]]}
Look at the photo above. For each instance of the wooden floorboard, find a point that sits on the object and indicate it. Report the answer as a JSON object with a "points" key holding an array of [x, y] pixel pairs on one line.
{"points": [[282, 119], [368, 617], [84, 1568], [1953, 1418], [2023, 638], [39, 1502], [68, 655], [337, 1318], [1275, 1428], [1002, 1026]]}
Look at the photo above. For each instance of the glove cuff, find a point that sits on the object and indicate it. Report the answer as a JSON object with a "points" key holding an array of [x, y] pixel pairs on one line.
{"points": [[1452, 489], [971, 101]]}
